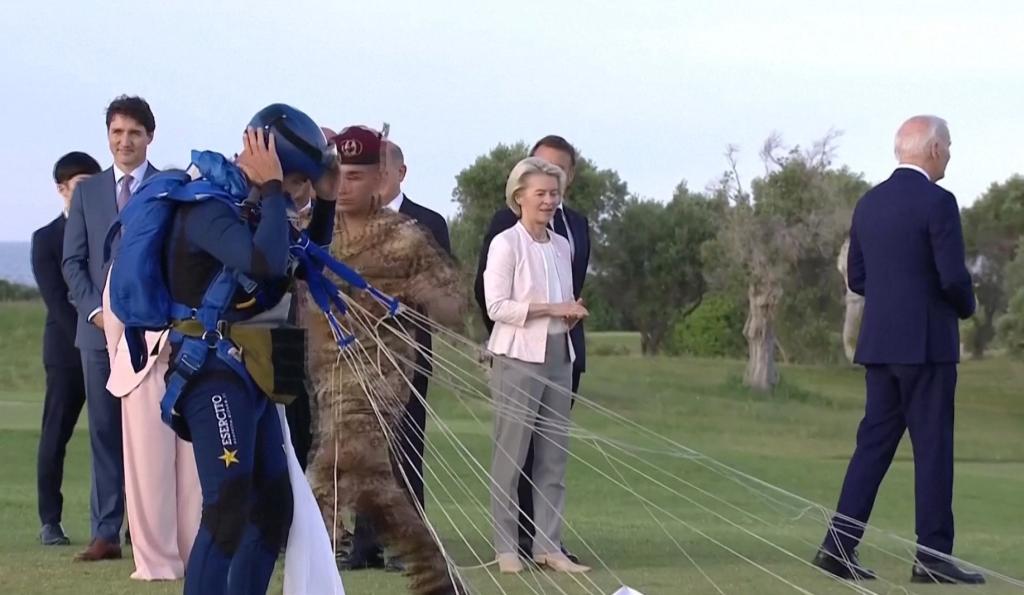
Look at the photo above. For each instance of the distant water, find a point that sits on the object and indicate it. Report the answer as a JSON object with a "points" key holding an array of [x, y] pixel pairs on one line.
{"points": [[16, 262]]}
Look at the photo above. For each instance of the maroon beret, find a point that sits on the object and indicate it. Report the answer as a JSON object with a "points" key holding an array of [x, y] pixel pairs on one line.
{"points": [[359, 145]]}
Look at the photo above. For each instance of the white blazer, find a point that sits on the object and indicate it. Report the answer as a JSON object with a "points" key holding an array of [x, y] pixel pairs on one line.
{"points": [[515, 277]]}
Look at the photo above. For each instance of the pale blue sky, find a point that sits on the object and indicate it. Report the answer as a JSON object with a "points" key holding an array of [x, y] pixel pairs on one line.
{"points": [[654, 89]]}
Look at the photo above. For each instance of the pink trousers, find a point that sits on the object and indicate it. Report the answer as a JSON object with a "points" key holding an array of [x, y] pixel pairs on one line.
{"points": [[162, 493]]}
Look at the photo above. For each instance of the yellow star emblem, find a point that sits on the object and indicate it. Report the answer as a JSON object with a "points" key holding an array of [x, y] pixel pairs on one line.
{"points": [[229, 456]]}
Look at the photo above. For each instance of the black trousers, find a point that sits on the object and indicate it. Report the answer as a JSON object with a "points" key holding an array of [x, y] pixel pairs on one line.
{"points": [[299, 415], [526, 528], [901, 398], [65, 397], [410, 460]]}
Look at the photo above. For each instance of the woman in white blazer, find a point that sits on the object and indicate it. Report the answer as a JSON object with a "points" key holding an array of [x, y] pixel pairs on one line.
{"points": [[528, 290]]}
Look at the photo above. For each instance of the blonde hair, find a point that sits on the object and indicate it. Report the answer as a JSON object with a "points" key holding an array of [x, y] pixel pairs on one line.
{"points": [[517, 179]]}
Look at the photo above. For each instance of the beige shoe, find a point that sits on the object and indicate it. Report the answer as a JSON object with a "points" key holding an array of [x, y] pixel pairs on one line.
{"points": [[559, 563], [509, 563]]}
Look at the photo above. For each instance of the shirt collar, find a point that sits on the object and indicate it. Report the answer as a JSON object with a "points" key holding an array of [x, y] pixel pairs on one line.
{"points": [[915, 168], [137, 174], [395, 204]]}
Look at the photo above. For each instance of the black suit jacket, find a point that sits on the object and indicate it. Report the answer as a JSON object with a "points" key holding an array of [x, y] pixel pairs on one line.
{"points": [[61, 319], [907, 259], [432, 220], [579, 227], [438, 228]]}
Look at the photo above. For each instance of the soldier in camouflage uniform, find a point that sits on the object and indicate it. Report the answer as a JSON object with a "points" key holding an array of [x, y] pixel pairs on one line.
{"points": [[355, 420]]}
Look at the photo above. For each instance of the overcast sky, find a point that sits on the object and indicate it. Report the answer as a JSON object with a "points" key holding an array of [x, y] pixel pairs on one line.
{"points": [[653, 89]]}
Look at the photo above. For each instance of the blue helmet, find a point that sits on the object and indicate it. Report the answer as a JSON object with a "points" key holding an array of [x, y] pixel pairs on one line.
{"points": [[301, 145]]}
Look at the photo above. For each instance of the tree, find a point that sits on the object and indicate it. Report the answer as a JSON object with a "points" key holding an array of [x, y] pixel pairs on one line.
{"points": [[16, 292], [648, 264], [479, 192], [781, 240], [992, 226], [1010, 325], [715, 329]]}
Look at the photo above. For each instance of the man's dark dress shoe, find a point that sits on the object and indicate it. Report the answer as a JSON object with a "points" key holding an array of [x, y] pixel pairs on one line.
{"points": [[942, 572], [847, 569], [100, 549], [572, 557], [53, 535]]}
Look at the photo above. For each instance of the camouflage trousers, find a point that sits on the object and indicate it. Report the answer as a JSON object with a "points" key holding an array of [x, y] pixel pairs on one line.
{"points": [[352, 470]]}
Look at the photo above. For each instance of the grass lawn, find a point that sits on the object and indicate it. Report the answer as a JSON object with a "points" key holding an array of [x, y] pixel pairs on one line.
{"points": [[677, 522]]}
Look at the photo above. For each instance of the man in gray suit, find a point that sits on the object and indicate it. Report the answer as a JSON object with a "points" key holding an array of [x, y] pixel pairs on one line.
{"points": [[94, 207]]}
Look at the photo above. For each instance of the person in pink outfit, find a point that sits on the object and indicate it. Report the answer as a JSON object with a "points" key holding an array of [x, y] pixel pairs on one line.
{"points": [[164, 500]]}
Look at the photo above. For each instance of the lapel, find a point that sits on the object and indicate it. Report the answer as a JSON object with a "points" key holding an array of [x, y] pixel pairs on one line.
{"points": [[58, 227], [109, 188], [573, 220], [52, 236], [408, 206], [108, 199]]}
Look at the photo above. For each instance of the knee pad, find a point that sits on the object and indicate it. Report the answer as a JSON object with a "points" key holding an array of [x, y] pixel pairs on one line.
{"points": [[226, 518], [272, 512]]}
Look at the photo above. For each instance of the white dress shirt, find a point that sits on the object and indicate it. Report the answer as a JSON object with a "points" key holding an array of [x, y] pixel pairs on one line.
{"points": [[395, 204], [915, 168], [547, 249], [560, 212], [137, 174]]}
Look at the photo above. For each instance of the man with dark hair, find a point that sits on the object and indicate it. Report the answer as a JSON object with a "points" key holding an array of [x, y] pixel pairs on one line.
{"points": [[65, 387], [95, 205], [135, 108], [573, 226]]}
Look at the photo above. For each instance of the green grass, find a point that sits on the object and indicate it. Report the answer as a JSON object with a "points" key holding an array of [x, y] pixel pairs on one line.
{"points": [[798, 439]]}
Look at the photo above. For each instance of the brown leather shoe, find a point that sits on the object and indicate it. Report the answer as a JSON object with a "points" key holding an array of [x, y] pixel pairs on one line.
{"points": [[100, 549]]}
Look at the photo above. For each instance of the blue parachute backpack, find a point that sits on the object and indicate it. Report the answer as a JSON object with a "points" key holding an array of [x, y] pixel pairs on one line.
{"points": [[139, 295]]}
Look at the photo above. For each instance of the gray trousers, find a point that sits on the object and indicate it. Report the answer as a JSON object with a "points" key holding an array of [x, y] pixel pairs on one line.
{"points": [[106, 501], [523, 402]]}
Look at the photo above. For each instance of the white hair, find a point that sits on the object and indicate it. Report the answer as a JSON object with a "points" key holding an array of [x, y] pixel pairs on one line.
{"points": [[915, 140], [517, 179]]}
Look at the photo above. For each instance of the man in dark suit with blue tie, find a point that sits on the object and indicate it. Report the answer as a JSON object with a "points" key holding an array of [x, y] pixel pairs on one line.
{"points": [[94, 207], [907, 259], [65, 386], [365, 551], [573, 226]]}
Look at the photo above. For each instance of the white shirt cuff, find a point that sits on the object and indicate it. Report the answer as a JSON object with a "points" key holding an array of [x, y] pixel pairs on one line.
{"points": [[93, 314]]}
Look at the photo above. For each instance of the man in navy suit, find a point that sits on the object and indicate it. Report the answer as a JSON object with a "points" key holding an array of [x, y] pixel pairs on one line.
{"points": [[573, 226], [907, 259], [365, 551], [65, 386], [94, 207]]}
